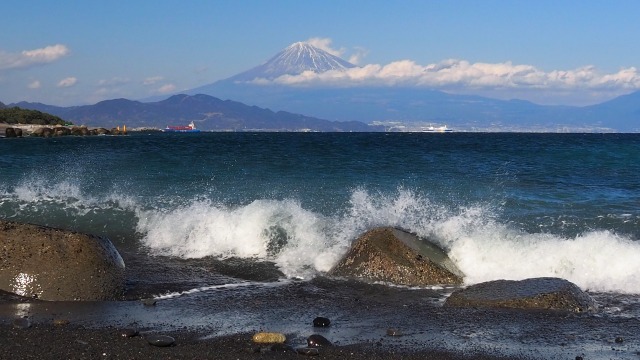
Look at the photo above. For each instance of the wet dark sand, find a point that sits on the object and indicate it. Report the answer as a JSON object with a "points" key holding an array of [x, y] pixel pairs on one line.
{"points": [[217, 321]]}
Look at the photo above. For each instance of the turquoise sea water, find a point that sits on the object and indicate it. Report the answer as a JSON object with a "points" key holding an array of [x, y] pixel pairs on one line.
{"points": [[503, 205]]}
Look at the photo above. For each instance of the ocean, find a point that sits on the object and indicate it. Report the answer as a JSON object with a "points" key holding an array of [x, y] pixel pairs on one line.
{"points": [[259, 212]]}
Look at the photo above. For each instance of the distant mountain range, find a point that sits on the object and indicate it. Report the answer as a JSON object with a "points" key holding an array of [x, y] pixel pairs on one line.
{"points": [[342, 109], [207, 112], [410, 107]]}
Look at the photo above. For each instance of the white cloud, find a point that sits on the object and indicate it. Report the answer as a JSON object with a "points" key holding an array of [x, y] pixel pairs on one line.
{"points": [[67, 82], [34, 85], [29, 58], [455, 74], [152, 80], [166, 89]]}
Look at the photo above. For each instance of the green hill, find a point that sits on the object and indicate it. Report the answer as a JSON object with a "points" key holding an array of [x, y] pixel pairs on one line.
{"points": [[16, 115]]}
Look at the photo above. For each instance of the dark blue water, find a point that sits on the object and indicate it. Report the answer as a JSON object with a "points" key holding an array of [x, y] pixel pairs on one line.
{"points": [[503, 205]]}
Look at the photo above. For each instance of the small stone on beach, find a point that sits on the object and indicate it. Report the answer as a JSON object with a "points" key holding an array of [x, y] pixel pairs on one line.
{"points": [[160, 340], [129, 333], [316, 340], [269, 338], [394, 332], [619, 339], [321, 322]]}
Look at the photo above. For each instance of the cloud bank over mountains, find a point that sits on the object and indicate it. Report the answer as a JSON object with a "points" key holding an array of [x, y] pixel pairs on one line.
{"points": [[506, 80], [462, 76]]}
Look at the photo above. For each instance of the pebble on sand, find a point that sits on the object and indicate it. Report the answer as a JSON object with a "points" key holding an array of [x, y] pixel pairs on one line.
{"points": [[129, 333], [269, 338], [394, 332], [321, 322], [316, 340], [160, 340]]}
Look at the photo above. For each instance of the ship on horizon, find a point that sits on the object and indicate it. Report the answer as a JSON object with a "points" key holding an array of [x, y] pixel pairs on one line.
{"points": [[191, 128]]}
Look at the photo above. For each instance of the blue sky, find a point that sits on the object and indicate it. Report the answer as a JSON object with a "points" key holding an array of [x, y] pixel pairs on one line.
{"points": [[550, 52]]}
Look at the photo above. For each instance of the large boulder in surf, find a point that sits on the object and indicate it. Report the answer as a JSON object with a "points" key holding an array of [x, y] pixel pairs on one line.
{"points": [[10, 132], [55, 264], [538, 293], [396, 256]]}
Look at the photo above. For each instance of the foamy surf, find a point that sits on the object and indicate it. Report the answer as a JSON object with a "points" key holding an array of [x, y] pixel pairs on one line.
{"points": [[303, 243]]}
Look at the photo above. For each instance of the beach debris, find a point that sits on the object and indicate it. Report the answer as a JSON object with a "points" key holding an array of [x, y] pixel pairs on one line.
{"points": [[321, 322], [394, 332], [269, 338], [316, 340], [22, 323], [309, 351], [129, 332], [545, 293], [160, 340], [59, 265], [396, 256]]}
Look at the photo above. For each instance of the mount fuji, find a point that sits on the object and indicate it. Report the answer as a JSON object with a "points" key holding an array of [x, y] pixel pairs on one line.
{"points": [[404, 107], [294, 60]]}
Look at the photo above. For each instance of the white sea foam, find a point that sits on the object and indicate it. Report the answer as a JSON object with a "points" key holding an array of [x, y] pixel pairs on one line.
{"points": [[303, 243]]}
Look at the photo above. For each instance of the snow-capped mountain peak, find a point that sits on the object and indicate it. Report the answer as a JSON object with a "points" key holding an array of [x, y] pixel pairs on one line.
{"points": [[295, 59]]}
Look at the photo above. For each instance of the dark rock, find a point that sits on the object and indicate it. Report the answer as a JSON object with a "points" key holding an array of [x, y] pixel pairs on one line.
{"points": [[129, 332], [149, 302], [22, 323], [10, 132], [392, 255], [80, 131], [42, 132], [160, 340], [102, 131], [394, 332], [537, 293], [321, 322], [56, 264], [309, 351], [619, 340], [61, 131], [316, 340]]}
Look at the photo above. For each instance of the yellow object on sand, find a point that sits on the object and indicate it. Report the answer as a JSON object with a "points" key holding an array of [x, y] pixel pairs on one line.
{"points": [[269, 338]]}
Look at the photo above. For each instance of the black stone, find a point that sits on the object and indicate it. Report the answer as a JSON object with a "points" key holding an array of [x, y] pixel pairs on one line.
{"points": [[129, 332], [316, 340], [160, 340], [619, 339], [394, 332], [321, 322]]}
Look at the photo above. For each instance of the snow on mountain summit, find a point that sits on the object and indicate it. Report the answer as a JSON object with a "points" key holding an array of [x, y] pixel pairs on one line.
{"points": [[295, 59]]}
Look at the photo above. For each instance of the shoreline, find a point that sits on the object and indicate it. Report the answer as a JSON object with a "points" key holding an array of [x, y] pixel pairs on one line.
{"points": [[76, 342]]}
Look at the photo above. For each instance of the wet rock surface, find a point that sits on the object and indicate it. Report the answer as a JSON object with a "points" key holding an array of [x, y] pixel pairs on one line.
{"points": [[54, 264], [395, 256], [536, 293]]}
